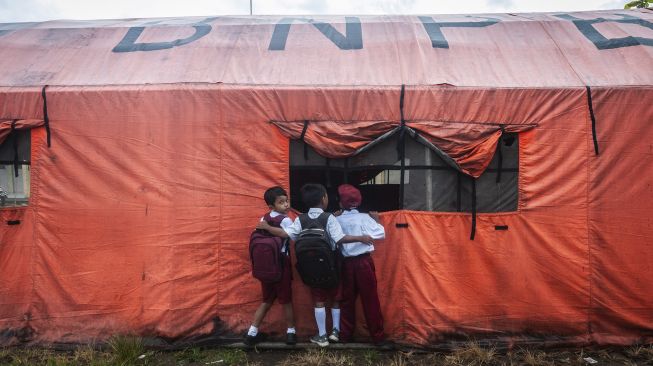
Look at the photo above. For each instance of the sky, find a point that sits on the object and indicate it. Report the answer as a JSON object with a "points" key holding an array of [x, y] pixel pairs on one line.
{"points": [[41, 10]]}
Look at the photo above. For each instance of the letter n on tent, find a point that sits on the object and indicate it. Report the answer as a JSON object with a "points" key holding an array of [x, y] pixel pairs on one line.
{"points": [[352, 40]]}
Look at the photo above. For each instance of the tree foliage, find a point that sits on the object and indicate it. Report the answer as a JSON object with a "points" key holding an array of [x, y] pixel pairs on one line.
{"points": [[638, 4]]}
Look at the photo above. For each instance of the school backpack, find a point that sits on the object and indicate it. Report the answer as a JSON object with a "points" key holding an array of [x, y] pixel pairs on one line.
{"points": [[317, 264], [265, 252]]}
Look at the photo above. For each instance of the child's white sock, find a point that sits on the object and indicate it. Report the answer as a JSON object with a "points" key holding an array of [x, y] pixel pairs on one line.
{"points": [[335, 314], [320, 318], [253, 331], [291, 330]]}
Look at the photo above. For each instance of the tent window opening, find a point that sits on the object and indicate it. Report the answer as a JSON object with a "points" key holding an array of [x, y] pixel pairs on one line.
{"points": [[429, 184], [15, 169]]}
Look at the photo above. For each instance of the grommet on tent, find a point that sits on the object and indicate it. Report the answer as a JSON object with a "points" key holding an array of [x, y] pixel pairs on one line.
{"points": [[473, 233], [301, 138], [593, 118], [46, 119], [14, 141]]}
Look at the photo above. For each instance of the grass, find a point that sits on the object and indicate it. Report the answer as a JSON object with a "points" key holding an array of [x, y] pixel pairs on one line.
{"points": [[128, 350], [320, 357], [471, 354], [371, 357]]}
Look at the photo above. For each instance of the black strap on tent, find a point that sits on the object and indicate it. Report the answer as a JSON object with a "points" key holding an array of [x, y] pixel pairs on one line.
{"points": [[301, 138], [500, 156], [401, 147], [591, 108], [459, 183], [46, 118], [14, 140], [473, 234], [327, 172]]}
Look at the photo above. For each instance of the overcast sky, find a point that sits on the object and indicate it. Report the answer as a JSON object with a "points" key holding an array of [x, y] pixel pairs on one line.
{"points": [[40, 10]]}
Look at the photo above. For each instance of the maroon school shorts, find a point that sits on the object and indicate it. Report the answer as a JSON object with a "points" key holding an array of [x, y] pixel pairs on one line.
{"points": [[327, 294], [282, 290]]}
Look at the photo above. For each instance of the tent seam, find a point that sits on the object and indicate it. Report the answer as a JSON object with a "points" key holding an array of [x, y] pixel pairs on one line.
{"points": [[34, 206], [332, 86], [589, 246], [562, 53]]}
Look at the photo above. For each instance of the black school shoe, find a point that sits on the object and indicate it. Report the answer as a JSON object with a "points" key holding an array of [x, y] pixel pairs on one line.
{"points": [[253, 340], [291, 339]]}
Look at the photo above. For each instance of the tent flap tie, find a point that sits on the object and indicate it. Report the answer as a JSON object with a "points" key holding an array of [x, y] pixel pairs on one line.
{"points": [[301, 138], [473, 233], [14, 140], [593, 118], [46, 119]]}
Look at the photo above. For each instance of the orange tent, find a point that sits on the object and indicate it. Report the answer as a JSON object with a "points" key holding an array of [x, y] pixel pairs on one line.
{"points": [[154, 140]]}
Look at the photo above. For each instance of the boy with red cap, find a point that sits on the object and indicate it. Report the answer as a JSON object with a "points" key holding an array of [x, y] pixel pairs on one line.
{"points": [[358, 272]]}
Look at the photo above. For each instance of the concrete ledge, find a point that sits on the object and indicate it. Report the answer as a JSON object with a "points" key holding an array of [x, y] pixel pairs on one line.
{"points": [[307, 345]]}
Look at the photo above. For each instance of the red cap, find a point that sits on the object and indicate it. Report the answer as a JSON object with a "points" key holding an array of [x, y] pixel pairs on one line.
{"points": [[350, 196]]}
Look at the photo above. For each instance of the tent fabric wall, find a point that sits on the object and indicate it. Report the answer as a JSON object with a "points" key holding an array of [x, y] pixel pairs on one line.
{"points": [[141, 207], [160, 194], [620, 229]]}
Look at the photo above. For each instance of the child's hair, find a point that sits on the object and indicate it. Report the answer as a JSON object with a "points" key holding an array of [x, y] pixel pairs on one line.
{"points": [[312, 194], [271, 194]]}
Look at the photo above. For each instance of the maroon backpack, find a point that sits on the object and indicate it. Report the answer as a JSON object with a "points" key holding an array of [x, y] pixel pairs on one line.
{"points": [[265, 252]]}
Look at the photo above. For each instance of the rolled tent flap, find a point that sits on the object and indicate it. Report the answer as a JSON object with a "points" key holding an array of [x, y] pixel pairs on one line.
{"points": [[18, 124], [335, 139], [470, 146]]}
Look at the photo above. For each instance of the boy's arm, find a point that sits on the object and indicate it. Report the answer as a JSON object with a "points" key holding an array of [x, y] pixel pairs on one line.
{"points": [[366, 239], [373, 227], [276, 231]]}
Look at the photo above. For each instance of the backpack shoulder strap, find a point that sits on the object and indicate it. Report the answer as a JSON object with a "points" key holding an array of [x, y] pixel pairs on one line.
{"points": [[323, 220], [274, 221], [304, 220]]}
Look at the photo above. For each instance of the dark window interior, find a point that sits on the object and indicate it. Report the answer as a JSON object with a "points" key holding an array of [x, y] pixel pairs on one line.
{"points": [[15, 169], [429, 184]]}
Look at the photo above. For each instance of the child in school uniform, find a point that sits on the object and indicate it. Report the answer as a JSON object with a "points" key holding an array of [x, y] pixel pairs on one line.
{"points": [[358, 271], [315, 196], [277, 200]]}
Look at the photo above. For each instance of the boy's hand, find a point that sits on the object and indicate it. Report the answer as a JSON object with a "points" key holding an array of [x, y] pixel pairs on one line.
{"points": [[263, 225], [337, 213], [366, 239], [374, 215]]}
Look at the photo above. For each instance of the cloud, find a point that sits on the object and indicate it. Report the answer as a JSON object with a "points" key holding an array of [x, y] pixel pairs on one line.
{"points": [[40, 10], [614, 4], [501, 4]]}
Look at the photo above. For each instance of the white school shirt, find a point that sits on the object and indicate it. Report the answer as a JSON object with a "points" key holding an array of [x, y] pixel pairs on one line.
{"points": [[356, 223], [285, 223], [333, 227]]}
